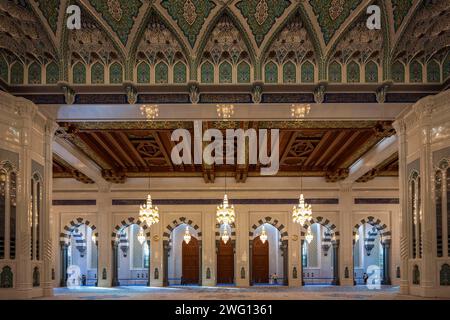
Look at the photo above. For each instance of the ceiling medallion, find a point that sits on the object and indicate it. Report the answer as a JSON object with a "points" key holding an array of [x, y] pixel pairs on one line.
{"points": [[261, 13], [189, 13], [336, 8], [114, 9]]}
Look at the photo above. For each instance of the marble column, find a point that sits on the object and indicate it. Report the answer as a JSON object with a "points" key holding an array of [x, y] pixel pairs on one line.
{"points": [[345, 246], [105, 257], [428, 271], [400, 128], [336, 280], [386, 244]]}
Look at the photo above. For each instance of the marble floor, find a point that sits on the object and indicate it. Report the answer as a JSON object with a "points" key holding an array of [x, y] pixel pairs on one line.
{"points": [[316, 292]]}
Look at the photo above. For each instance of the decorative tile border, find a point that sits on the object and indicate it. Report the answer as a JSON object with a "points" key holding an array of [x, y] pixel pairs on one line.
{"points": [[377, 200], [74, 202], [132, 202]]}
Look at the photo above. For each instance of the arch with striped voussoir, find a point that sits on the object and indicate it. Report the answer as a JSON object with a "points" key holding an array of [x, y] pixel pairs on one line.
{"points": [[330, 230], [116, 234], [378, 227], [232, 235], [175, 223], [283, 233], [71, 229]]}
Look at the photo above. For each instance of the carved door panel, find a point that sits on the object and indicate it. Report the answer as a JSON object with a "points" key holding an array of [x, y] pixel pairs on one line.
{"points": [[260, 261], [190, 262], [225, 263]]}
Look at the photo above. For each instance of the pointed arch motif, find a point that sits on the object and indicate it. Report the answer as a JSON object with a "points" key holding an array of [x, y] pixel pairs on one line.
{"points": [[17, 73], [179, 72], [34, 73], [283, 233], [161, 72], [97, 73], [118, 229], [415, 72], [143, 72], [225, 40], [51, 73], [371, 72], [433, 72], [398, 72], [4, 69], [68, 229], [353, 72], [207, 72], [271, 72], [335, 72], [175, 223], [115, 73], [225, 72], [243, 72], [79, 73], [289, 72]]}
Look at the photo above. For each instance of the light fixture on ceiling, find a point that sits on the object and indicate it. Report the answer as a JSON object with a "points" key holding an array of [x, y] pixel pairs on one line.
{"points": [[225, 111], [147, 212], [225, 213], [150, 111], [302, 212], [263, 235], [141, 236], [225, 236], [187, 235], [309, 236], [94, 238], [356, 236], [300, 111]]}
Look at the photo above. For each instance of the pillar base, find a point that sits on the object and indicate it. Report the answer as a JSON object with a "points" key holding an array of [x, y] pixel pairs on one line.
{"points": [[347, 282]]}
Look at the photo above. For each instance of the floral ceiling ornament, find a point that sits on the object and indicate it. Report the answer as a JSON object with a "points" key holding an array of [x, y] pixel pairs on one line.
{"points": [[115, 9], [261, 13], [336, 8], [189, 13]]}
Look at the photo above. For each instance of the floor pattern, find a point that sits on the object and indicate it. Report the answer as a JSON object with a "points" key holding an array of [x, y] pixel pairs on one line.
{"points": [[232, 293]]}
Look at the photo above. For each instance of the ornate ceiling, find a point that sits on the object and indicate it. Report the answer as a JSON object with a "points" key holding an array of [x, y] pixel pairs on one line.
{"points": [[175, 42], [139, 149]]}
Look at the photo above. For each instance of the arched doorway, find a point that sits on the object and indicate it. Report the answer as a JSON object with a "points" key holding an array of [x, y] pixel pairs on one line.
{"points": [[371, 246], [190, 262], [79, 255], [225, 255], [260, 260], [183, 258], [319, 257], [133, 256], [268, 258]]}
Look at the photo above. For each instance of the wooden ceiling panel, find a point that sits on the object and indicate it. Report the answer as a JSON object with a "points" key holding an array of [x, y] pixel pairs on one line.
{"points": [[310, 148]]}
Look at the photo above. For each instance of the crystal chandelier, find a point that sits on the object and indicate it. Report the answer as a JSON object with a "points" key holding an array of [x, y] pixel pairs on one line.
{"points": [[94, 238], [141, 236], [225, 236], [187, 235], [356, 236], [150, 111], [225, 111], [149, 213], [263, 235], [302, 212], [300, 111], [309, 236], [225, 213]]}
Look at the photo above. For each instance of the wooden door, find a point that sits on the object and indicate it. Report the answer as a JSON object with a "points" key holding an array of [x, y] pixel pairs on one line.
{"points": [[260, 261], [190, 262], [225, 263]]}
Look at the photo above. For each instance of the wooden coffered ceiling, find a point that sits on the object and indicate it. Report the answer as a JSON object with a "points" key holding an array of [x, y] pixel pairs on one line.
{"points": [[61, 169], [140, 149]]}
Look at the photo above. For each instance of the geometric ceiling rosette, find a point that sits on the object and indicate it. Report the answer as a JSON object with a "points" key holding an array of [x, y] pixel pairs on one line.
{"points": [[190, 15], [50, 11], [261, 15], [120, 15], [331, 14], [400, 9]]}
